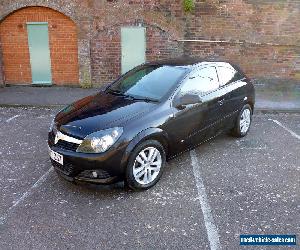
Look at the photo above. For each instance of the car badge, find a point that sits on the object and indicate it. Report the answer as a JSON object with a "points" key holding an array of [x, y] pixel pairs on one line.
{"points": [[58, 136]]}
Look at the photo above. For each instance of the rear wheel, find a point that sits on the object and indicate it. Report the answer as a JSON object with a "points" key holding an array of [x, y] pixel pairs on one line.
{"points": [[243, 122], [145, 166]]}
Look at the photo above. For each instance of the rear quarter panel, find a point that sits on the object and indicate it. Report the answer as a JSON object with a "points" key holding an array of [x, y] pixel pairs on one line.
{"points": [[242, 92]]}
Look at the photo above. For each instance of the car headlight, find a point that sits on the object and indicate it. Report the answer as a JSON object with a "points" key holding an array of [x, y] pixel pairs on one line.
{"points": [[100, 141]]}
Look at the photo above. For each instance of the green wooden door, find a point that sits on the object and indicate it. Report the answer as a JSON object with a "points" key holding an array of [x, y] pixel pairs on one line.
{"points": [[133, 40], [38, 41]]}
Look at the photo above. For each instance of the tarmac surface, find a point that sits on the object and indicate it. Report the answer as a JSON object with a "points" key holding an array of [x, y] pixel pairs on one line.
{"points": [[205, 199]]}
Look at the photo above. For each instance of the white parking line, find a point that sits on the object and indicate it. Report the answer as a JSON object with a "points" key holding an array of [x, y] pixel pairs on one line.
{"points": [[211, 229], [287, 129], [10, 119], [25, 195]]}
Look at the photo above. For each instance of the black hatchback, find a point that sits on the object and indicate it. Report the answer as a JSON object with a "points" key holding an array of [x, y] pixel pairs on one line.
{"points": [[148, 115]]}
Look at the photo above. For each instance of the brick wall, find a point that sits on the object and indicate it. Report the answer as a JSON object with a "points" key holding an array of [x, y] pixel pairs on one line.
{"points": [[263, 36], [160, 45], [105, 54], [164, 24], [2, 82], [106, 51], [15, 51], [62, 43]]}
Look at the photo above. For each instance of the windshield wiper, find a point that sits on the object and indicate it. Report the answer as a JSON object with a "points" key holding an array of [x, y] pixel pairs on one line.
{"points": [[143, 99], [116, 92], [119, 93]]}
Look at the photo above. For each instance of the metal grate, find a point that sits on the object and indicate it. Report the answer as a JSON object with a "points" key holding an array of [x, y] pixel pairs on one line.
{"points": [[102, 174], [62, 144], [67, 169], [67, 145]]}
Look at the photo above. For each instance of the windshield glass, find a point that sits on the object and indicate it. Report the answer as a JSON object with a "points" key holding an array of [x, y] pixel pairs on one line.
{"points": [[148, 82]]}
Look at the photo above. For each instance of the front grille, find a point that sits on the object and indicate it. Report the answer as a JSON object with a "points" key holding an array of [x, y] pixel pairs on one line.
{"points": [[67, 145], [67, 169], [61, 144]]}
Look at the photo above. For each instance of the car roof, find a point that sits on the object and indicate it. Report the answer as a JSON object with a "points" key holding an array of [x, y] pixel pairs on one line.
{"points": [[190, 62]]}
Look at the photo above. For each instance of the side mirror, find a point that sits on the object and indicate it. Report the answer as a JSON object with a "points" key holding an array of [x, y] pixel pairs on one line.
{"points": [[186, 99]]}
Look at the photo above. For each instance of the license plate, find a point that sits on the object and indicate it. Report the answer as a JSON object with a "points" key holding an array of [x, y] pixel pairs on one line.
{"points": [[56, 157]]}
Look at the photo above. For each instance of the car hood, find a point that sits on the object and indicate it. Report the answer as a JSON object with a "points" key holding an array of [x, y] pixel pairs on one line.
{"points": [[98, 112]]}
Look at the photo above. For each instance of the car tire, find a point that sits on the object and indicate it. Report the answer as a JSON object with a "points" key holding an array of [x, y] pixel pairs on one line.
{"points": [[243, 122], [140, 173]]}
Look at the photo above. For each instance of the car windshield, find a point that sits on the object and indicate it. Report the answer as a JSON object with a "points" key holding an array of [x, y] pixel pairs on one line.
{"points": [[151, 82]]}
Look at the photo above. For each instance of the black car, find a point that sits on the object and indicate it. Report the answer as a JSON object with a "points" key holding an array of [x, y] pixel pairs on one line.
{"points": [[150, 114]]}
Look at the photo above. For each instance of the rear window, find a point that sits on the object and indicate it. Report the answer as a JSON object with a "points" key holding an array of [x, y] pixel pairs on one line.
{"points": [[228, 75], [201, 82]]}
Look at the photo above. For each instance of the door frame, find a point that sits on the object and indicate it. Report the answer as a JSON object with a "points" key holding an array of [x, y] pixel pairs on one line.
{"points": [[51, 79]]}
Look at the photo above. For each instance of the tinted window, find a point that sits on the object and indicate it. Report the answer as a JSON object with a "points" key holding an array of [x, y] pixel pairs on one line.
{"points": [[226, 75], [151, 82], [201, 82]]}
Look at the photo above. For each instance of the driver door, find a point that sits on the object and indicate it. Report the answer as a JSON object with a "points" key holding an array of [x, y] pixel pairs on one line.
{"points": [[193, 123]]}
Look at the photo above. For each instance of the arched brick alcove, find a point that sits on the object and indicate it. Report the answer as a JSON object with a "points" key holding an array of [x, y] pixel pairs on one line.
{"points": [[63, 45]]}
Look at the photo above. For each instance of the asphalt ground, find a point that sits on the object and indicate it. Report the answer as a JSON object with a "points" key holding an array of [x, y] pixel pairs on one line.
{"points": [[205, 199]]}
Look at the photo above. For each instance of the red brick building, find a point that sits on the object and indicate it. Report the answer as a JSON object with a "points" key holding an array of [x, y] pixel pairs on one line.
{"points": [[85, 42]]}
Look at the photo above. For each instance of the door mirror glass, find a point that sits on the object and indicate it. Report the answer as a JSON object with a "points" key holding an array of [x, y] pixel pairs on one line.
{"points": [[187, 99]]}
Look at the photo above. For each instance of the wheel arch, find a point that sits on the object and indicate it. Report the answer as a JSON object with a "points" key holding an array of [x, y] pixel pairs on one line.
{"points": [[251, 103], [148, 134]]}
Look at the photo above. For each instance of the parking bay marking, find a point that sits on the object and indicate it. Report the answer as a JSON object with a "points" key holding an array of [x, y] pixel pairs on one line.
{"points": [[286, 128], [211, 229], [10, 119], [26, 194]]}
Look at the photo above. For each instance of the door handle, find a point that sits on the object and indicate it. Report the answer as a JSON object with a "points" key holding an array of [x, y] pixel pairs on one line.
{"points": [[221, 102]]}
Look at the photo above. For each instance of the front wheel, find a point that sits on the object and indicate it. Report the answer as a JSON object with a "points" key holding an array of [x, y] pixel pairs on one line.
{"points": [[145, 166], [243, 122]]}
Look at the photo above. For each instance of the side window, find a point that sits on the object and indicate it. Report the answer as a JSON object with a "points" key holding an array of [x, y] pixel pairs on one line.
{"points": [[226, 75], [203, 81]]}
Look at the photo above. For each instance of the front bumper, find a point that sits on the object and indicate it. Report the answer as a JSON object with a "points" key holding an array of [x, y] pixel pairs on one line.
{"points": [[99, 180], [79, 166]]}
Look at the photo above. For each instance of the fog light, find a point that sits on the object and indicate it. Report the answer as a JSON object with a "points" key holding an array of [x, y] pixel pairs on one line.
{"points": [[94, 174]]}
